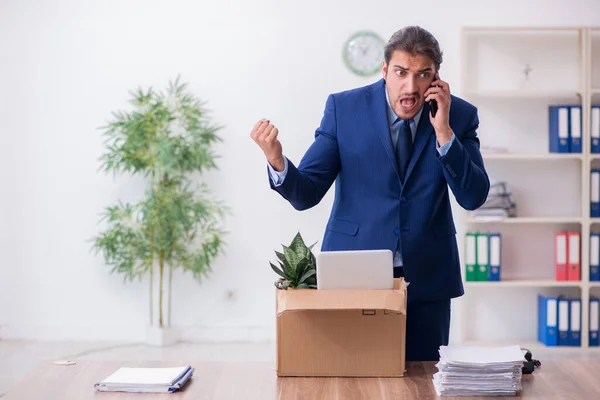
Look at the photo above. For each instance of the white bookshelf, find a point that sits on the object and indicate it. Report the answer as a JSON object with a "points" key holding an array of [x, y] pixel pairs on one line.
{"points": [[535, 347], [531, 156], [526, 220], [525, 93], [512, 75], [532, 283]]}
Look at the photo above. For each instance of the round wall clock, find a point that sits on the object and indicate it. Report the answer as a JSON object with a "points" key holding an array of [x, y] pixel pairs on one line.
{"points": [[363, 53]]}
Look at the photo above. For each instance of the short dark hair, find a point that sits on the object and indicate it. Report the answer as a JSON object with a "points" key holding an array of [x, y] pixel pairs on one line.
{"points": [[414, 40]]}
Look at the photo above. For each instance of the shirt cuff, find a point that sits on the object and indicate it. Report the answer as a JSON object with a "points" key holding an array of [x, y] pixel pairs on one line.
{"points": [[278, 177], [445, 147]]}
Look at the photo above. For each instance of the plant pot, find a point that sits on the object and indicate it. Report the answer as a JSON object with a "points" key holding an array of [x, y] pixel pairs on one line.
{"points": [[156, 336]]}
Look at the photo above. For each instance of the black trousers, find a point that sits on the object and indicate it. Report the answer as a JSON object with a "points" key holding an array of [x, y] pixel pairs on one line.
{"points": [[427, 327]]}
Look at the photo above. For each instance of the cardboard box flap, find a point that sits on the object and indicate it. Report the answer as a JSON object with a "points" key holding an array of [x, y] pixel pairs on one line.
{"points": [[311, 299]]}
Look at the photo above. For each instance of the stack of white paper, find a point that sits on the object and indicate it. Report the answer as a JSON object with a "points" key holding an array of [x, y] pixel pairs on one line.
{"points": [[478, 371], [147, 380]]}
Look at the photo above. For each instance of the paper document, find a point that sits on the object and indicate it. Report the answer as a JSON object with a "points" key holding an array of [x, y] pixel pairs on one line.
{"points": [[479, 371], [148, 380]]}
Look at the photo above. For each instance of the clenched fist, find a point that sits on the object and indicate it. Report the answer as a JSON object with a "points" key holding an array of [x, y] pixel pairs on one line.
{"points": [[265, 135]]}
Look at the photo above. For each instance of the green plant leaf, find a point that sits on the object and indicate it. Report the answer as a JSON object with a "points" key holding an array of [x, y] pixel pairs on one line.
{"points": [[307, 275], [280, 256], [298, 246], [287, 271], [277, 270], [300, 269], [291, 258]]}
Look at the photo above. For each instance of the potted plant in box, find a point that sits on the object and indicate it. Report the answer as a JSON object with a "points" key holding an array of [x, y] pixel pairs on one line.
{"points": [[298, 266]]}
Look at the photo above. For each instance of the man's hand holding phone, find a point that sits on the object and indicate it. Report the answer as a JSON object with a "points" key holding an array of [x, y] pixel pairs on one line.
{"points": [[440, 93]]}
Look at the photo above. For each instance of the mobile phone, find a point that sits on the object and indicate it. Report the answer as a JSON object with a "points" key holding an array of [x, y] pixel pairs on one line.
{"points": [[434, 107]]}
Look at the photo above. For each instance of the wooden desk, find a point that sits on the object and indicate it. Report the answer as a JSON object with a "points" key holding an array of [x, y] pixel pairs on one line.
{"points": [[560, 379]]}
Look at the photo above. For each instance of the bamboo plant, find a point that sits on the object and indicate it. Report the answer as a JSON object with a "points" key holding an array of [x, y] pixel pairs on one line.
{"points": [[167, 138]]}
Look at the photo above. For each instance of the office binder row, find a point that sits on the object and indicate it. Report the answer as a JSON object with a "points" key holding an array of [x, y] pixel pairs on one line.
{"points": [[595, 193], [595, 129], [595, 257], [483, 256], [559, 321], [567, 256], [565, 123]]}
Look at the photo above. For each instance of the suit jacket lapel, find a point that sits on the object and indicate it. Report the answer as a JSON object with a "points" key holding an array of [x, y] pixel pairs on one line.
{"points": [[424, 132], [378, 110]]}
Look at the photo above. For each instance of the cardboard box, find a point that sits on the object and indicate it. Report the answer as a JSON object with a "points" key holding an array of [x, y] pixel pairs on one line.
{"points": [[358, 333]]}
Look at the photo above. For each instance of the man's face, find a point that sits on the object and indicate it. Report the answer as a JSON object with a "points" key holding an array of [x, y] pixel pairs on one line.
{"points": [[407, 77]]}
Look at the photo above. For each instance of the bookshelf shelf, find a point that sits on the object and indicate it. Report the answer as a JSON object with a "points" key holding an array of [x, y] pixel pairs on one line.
{"points": [[526, 220], [529, 344], [531, 157], [533, 283], [505, 74], [525, 94], [521, 30]]}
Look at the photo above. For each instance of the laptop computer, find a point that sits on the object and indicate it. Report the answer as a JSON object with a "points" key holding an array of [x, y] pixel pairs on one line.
{"points": [[355, 269]]}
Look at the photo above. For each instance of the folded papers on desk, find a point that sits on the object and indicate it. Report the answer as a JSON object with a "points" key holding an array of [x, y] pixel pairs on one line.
{"points": [[147, 380], [478, 371]]}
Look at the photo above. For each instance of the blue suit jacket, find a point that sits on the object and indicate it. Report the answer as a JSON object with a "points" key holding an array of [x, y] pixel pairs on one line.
{"points": [[353, 147]]}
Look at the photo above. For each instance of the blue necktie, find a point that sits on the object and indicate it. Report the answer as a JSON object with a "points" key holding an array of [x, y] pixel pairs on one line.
{"points": [[404, 147]]}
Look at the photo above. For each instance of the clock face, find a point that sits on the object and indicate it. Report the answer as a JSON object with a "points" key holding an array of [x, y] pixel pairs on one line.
{"points": [[363, 53]]}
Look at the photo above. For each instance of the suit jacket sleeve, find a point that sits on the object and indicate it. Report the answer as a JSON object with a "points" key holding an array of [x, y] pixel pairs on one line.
{"points": [[304, 186], [464, 170]]}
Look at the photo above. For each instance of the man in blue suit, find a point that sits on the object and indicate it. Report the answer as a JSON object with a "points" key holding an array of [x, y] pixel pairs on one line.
{"points": [[392, 162]]}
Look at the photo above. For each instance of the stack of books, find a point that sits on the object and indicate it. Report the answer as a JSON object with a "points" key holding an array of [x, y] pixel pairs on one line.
{"points": [[479, 371], [146, 380], [498, 205]]}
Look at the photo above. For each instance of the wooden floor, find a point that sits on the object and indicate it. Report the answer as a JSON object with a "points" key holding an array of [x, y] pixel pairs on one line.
{"points": [[556, 379]]}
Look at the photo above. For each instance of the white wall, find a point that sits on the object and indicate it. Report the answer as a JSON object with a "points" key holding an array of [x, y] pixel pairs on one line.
{"points": [[65, 65]]}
